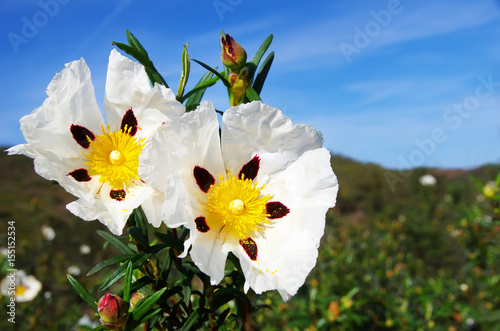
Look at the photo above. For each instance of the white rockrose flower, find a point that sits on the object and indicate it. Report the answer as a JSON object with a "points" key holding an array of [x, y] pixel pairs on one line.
{"points": [[24, 287], [93, 160], [261, 191]]}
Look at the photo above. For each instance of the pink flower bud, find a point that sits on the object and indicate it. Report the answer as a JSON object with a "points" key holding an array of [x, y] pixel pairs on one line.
{"points": [[113, 310], [233, 55]]}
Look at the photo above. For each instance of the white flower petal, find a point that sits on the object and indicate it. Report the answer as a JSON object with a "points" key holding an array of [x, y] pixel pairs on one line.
{"points": [[256, 128], [71, 100], [168, 160], [128, 87], [209, 254], [110, 212], [288, 248], [30, 286]]}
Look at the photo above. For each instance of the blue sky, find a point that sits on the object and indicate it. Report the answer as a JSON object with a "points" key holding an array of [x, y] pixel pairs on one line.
{"points": [[400, 83]]}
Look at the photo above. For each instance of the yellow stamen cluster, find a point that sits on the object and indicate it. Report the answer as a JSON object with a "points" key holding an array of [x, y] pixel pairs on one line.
{"points": [[115, 157], [20, 289], [238, 204]]}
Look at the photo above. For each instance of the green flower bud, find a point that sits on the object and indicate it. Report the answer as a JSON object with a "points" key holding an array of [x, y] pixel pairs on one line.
{"points": [[239, 84], [136, 297], [233, 55], [113, 310]]}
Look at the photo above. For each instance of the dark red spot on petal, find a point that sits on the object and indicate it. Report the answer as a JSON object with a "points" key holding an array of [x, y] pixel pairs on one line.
{"points": [[129, 122], [251, 169], [80, 175], [250, 248], [201, 224], [276, 209], [82, 135], [204, 179], [118, 195]]}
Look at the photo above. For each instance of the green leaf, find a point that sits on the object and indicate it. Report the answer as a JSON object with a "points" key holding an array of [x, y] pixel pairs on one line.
{"points": [[226, 294], [137, 285], [170, 240], [153, 75], [262, 49], [215, 72], [138, 236], [186, 64], [83, 293], [196, 94], [193, 319], [132, 40], [109, 262], [478, 183], [124, 249], [262, 74], [252, 95], [149, 316], [137, 261], [100, 328], [132, 51], [127, 282], [140, 221], [142, 308], [222, 317]]}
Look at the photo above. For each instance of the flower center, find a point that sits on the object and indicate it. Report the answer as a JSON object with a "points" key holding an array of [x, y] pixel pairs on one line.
{"points": [[115, 157], [239, 205], [20, 289]]}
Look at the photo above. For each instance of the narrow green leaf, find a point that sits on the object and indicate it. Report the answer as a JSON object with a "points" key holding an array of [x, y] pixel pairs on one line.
{"points": [[84, 327], [124, 249], [170, 241], [140, 220], [196, 94], [149, 316], [262, 74], [137, 285], [252, 95], [223, 295], [137, 261], [478, 183], [109, 262], [223, 316], [132, 40], [262, 49], [138, 236], [100, 328], [153, 74], [215, 72], [186, 65], [83, 293], [193, 319], [127, 282], [136, 54], [142, 308]]}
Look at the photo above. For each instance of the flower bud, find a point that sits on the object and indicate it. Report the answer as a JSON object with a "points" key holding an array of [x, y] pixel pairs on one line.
{"points": [[113, 310], [239, 84], [233, 55], [136, 297], [489, 190]]}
